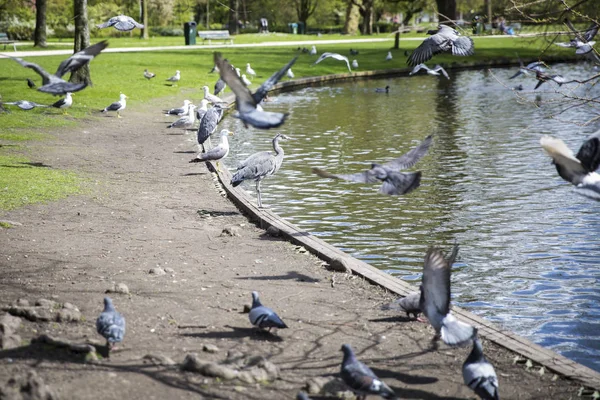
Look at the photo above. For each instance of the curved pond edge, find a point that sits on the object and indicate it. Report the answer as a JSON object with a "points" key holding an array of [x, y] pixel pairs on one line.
{"points": [[265, 218]]}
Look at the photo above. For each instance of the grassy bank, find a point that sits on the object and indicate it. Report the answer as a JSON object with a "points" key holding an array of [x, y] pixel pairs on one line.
{"points": [[113, 73]]}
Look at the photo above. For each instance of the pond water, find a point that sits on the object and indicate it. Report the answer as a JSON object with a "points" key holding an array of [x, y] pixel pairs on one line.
{"points": [[529, 246]]}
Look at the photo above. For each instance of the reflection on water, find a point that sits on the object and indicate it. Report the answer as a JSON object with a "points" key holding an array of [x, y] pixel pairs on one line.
{"points": [[530, 247]]}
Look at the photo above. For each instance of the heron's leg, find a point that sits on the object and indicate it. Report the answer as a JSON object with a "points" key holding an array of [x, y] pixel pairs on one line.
{"points": [[259, 201]]}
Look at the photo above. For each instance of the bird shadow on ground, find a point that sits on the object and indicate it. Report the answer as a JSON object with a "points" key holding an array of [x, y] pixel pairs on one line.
{"points": [[36, 164], [405, 393], [175, 134], [238, 333], [290, 275], [40, 352], [405, 378], [398, 318], [194, 173], [185, 152]]}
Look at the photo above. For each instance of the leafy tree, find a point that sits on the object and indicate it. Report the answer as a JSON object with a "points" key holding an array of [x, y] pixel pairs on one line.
{"points": [[446, 11], [305, 8]]}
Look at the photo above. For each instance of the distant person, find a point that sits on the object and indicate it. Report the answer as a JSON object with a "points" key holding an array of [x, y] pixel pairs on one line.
{"points": [[264, 25]]}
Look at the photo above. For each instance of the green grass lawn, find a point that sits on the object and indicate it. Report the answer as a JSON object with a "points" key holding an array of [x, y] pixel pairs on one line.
{"points": [[113, 73]]}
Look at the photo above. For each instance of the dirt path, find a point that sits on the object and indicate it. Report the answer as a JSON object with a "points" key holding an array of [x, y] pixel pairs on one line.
{"points": [[147, 207]]}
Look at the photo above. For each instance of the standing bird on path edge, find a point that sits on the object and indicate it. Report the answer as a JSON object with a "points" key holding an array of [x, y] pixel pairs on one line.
{"points": [[360, 379], [263, 317], [479, 374]]}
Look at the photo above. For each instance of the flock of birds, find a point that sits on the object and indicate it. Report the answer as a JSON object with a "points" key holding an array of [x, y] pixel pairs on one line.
{"points": [[433, 299]]}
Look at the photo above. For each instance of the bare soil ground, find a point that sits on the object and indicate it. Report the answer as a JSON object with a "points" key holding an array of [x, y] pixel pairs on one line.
{"points": [[146, 207]]}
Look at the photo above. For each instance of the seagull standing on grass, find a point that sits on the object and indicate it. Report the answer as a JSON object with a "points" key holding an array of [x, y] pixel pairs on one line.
{"points": [[121, 23], [335, 56], [263, 317], [431, 71], [117, 106], [313, 51], [444, 39], [389, 56], [111, 325], [148, 75], [360, 379], [218, 152], [65, 103], [290, 74], [251, 73], [354, 64], [175, 78], [479, 374]]}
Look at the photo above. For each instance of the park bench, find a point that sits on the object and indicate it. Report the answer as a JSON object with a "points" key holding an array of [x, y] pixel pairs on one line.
{"points": [[4, 40], [215, 35]]}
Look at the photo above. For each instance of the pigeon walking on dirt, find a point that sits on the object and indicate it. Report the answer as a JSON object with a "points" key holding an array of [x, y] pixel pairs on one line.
{"points": [[246, 101], [110, 324], [360, 379], [435, 299], [263, 317], [53, 83], [393, 181], [480, 375], [578, 169], [409, 304], [117, 106], [444, 39], [121, 23], [148, 75], [25, 104], [65, 103], [335, 56], [180, 111]]}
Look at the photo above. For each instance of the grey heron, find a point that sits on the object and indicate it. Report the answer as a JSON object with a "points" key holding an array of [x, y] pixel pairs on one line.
{"points": [[479, 374], [246, 101], [117, 106], [208, 125], [218, 152], [430, 71], [110, 324], [578, 169], [393, 181], [121, 23], [260, 165], [444, 39], [148, 75], [335, 56], [65, 103], [53, 83], [361, 379]]}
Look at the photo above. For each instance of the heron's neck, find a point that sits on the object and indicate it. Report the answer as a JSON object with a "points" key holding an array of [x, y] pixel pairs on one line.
{"points": [[277, 147]]}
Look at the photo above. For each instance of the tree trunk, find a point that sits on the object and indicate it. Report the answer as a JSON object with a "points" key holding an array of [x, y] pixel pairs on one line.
{"points": [[145, 32], [39, 36], [447, 11], [397, 39], [352, 19], [82, 40], [233, 17], [367, 27]]}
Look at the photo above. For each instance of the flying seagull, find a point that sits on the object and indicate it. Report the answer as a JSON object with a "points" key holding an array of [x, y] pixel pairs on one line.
{"points": [[578, 169], [53, 83], [479, 374], [121, 23], [260, 165], [409, 304], [360, 379], [187, 121], [582, 43], [444, 39], [25, 104], [117, 106], [263, 317], [64, 103], [148, 75], [431, 71], [30, 83], [110, 324], [335, 56], [218, 152], [251, 73], [183, 110], [394, 181], [435, 299], [542, 77], [246, 101], [175, 78]]}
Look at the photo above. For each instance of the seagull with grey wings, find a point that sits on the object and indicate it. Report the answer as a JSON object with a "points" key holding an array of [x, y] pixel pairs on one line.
{"points": [[335, 56], [410, 304], [218, 152], [582, 43], [360, 379], [65, 103], [579, 169], [187, 121], [117, 106], [180, 111], [443, 40], [246, 101], [263, 317], [435, 299], [202, 109], [479, 374], [430, 71], [25, 104], [121, 23], [393, 181], [53, 83], [110, 324]]}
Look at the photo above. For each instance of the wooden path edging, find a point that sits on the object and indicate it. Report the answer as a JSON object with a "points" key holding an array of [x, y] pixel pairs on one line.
{"points": [[326, 252]]}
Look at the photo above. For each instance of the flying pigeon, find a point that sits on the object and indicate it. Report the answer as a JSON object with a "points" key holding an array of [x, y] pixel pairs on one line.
{"points": [[30, 83], [53, 83], [479, 374], [542, 77], [394, 181], [383, 90], [444, 39], [431, 71], [313, 51], [175, 78], [121, 23], [251, 73], [335, 56], [578, 169], [110, 324], [409, 304], [64, 103], [263, 317], [148, 75], [360, 379], [389, 56], [246, 102], [187, 121], [179, 111], [582, 43], [220, 86], [25, 104], [117, 106], [435, 299], [218, 152]]}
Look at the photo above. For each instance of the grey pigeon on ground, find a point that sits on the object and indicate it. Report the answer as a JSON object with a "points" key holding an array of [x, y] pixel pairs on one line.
{"points": [[435, 299], [25, 104], [409, 304], [263, 317], [53, 83], [121, 23], [444, 39], [246, 102], [360, 379], [578, 169], [479, 374], [393, 181], [111, 324]]}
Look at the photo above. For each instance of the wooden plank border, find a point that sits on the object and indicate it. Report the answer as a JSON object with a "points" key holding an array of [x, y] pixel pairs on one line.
{"points": [[326, 252]]}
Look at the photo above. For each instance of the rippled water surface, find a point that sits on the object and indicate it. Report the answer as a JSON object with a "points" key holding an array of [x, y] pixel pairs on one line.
{"points": [[530, 247]]}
